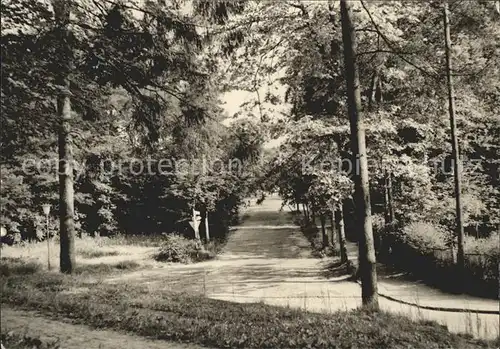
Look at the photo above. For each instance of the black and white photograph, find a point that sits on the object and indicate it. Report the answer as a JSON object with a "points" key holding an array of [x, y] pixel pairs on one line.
{"points": [[279, 174]]}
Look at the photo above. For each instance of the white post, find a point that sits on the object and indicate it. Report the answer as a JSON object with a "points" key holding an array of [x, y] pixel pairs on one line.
{"points": [[206, 227], [46, 210]]}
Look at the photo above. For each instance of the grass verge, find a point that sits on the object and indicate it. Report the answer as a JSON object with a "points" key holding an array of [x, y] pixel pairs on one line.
{"points": [[17, 267], [187, 318]]}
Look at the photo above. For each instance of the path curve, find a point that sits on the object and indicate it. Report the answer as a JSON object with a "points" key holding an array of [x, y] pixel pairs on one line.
{"points": [[267, 259]]}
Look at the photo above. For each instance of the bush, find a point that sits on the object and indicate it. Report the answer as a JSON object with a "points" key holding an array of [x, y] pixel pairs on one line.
{"points": [[486, 246], [178, 249], [378, 222], [11, 239], [482, 258], [423, 249], [424, 236]]}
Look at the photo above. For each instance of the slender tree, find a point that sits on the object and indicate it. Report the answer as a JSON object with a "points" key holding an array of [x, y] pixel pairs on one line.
{"points": [[62, 12], [454, 141], [389, 209], [367, 262], [333, 230], [324, 233], [339, 219]]}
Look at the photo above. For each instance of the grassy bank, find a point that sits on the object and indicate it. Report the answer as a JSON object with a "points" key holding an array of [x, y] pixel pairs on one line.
{"points": [[188, 318]]}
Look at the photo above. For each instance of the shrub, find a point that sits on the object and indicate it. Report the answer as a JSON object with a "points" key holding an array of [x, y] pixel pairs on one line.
{"points": [[378, 222], [424, 236], [178, 249], [11, 239], [486, 246], [423, 249], [482, 258]]}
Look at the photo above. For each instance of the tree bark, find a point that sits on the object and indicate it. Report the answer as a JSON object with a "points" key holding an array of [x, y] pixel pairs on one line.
{"points": [[454, 142], [392, 216], [66, 191], [367, 261], [339, 218], [324, 234], [373, 90], [389, 211], [333, 230]]}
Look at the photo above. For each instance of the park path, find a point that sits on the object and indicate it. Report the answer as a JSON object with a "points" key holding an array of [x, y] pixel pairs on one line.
{"points": [[73, 336], [267, 259]]}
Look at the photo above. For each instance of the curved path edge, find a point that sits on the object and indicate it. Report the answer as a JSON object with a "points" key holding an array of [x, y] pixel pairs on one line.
{"points": [[436, 308]]}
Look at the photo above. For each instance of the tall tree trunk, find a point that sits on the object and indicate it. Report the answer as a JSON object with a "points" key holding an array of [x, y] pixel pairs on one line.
{"points": [[454, 142], [373, 90], [324, 234], [339, 219], [392, 217], [66, 192], [367, 261], [306, 212], [379, 97], [333, 230]]}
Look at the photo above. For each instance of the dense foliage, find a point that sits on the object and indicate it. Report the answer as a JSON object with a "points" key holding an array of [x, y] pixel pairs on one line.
{"points": [[149, 145], [403, 89]]}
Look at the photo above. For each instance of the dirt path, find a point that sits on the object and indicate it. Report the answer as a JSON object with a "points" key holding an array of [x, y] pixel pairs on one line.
{"points": [[267, 259], [76, 336]]}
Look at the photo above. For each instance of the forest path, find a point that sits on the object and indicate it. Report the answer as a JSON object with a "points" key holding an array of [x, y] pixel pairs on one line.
{"points": [[268, 259]]}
